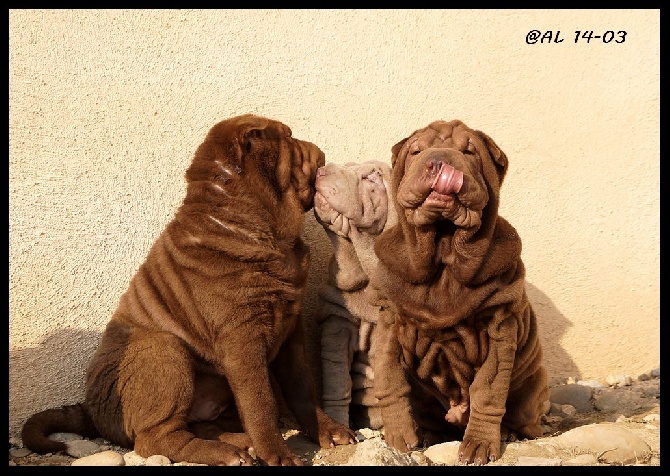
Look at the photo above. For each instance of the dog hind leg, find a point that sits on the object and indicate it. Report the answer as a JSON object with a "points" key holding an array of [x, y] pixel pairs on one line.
{"points": [[226, 428], [154, 388], [337, 355]]}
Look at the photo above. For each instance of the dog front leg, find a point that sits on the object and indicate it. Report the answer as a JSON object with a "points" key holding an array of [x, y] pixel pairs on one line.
{"points": [[392, 388], [488, 393], [246, 369], [297, 385]]}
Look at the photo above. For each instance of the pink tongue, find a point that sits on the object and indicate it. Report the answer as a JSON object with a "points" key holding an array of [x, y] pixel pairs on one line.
{"points": [[448, 180]]}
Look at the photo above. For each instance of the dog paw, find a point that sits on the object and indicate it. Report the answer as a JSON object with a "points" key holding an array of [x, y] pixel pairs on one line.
{"points": [[402, 439], [332, 433], [507, 435], [287, 459], [239, 458], [478, 451]]}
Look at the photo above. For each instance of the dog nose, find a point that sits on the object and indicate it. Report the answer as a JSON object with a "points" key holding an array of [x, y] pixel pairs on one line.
{"points": [[433, 164]]}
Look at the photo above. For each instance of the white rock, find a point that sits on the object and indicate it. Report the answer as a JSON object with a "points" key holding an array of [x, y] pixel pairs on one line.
{"points": [[105, 458], [419, 458], [581, 460], [613, 444], [375, 452], [64, 437], [619, 380], [81, 448], [19, 452], [133, 459], [568, 409], [367, 433], [535, 461], [443, 453], [158, 460], [590, 383]]}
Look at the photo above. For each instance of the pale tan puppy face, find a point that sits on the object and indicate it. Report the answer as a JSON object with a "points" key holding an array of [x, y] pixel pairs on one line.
{"points": [[353, 196]]}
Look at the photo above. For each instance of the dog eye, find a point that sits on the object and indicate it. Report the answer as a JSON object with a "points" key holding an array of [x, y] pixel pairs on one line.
{"points": [[374, 177]]}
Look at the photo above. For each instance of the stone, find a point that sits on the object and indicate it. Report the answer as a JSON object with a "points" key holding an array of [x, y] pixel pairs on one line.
{"points": [[579, 396], [104, 458], [535, 461], [609, 441], [582, 460], [375, 452], [81, 448], [158, 460], [19, 452], [443, 453], [133, 459]]}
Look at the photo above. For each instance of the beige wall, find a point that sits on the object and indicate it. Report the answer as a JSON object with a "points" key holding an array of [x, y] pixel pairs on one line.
{"points": [[107, 107]]}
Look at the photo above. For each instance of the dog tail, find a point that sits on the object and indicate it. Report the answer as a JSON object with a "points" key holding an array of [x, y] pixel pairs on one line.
{"points": [[69, 418]]}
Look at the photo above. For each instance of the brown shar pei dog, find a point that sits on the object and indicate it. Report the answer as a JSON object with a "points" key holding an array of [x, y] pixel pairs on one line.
{"points": [[187, 364], [352, 204], [460, 354]]}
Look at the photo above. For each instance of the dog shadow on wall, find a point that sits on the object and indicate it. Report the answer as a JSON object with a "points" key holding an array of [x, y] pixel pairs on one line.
{"points": [[49, 375], [552, 326], [552, 323]]}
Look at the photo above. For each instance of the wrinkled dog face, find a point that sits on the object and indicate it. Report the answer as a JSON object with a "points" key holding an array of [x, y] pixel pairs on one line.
{"points": [[296, 161], [443, 183], [443, 174], [352, 196], [264, 151]]}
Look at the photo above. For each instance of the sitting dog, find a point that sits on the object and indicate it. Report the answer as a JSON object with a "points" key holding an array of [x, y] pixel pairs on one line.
{"points": [[458, 339], [187, 364], [352, 205]]}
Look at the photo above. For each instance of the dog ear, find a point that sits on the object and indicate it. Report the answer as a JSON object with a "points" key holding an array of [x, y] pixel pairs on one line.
{"points": [[247, 130], [240, 133], [225, 145], [395, 150], [497, 155]]}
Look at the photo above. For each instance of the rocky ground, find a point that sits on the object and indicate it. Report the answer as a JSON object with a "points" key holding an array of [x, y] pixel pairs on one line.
{"points": [[610, 422]]}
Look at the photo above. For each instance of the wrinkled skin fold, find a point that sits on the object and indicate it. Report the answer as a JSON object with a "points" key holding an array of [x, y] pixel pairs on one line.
{"points": [[460, 348], [352, 204], [209, 333]]}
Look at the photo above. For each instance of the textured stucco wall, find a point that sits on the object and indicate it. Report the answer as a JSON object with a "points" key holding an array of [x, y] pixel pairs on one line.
{"points": [[107, 107]]}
